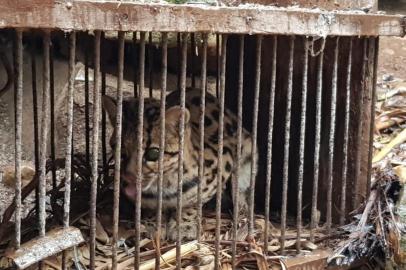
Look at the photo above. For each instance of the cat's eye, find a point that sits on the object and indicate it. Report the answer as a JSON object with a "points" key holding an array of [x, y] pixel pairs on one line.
{"points": [[152, 154]]}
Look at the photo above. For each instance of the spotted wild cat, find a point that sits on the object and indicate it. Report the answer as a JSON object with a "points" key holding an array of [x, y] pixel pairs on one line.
{"points": [[151, 141]]}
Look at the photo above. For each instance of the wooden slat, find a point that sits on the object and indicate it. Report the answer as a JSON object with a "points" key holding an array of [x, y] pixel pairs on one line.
{"points": [[129, 16]]}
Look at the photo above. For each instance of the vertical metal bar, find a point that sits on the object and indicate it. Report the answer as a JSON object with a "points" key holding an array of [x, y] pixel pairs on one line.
{"points": [[302, 144], [44, 133], [330, 161], [117, 150], [164, 72], [179, 51], [35, 116], [238, 150], [69, 136], [181, 148], [218, 64], [192, 60], [95, 147], [52, 127], [286, 145], [220, 149], [360, 123], [254, 134], [150, 66], [103, 121], [374, 43], [139, 150], [314, 215], [344, 168], [18, 134], [201, 141], [87, 111], [271, 115], [135, 79]]}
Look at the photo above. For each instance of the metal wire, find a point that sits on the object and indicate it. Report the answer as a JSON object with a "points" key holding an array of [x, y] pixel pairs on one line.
{"points": [[164, 71], [192, 59], [314, 214], [135, 79], [18, 134], [139, 150], [181, 149], [286, 145], [44, 134], [117, 150], [35, 117], [95, 147], [87, 110], [332, 138], [271, 115], [201, 141], [254, 134], [302, 144], [220, 149], [344, 169], [150, 66], [238, 150], [69, 136]]}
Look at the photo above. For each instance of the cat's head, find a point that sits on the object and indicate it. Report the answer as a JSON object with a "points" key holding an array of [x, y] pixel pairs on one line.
{"points": [[150, 139]]}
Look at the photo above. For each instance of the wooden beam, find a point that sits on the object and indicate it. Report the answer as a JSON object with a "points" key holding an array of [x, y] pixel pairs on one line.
{"points": [[246, 19]]}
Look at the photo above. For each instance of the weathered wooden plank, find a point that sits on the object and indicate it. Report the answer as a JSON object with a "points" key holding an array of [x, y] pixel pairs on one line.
{"points": [[40, 248], [130, 16]]}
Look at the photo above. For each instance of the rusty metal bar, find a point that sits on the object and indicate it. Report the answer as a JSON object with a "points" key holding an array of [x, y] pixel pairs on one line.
{"points": [[360, 121], [164, 73], [220, 149], [139, 150], [103, 119], [344, 168], [254, 134], [69, 132], [330, 160], [18, 134], [87, 111], [314, 213], [181, 148], [44, 134], [375, 52], [69, 136], [35, 115], [179, 52], [238, 150], [271, 115], [302, 144], [192, 59], [95, 147], [117, 150], [135, 65], [52, 127], [150, 66], [201, 130], [217, 64], [286, 145]]}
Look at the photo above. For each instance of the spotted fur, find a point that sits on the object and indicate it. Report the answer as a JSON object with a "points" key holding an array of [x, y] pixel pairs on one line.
{"points": [[151, 139]]}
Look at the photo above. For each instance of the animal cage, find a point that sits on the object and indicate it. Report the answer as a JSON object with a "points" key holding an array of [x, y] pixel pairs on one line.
{"points": [[299, 80]]}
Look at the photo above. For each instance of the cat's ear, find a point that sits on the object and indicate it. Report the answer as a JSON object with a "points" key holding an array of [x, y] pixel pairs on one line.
{"points": [[173, 114], [110, 106]]}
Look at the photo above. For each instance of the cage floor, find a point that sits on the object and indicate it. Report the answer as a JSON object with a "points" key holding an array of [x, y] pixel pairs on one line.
{"points": [[250, 249]]}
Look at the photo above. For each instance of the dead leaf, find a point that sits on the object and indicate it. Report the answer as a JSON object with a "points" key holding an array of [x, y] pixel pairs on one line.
{"points": [[400, 138]]}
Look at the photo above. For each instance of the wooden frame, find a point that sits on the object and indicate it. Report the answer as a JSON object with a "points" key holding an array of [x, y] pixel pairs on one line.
{"points": [[246, 19]]}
